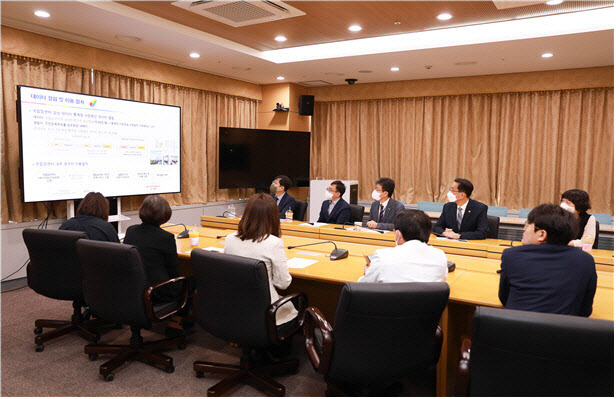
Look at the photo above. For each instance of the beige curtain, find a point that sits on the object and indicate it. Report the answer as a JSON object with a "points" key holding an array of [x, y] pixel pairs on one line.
{"points": [[518, 149], [202, 113]]}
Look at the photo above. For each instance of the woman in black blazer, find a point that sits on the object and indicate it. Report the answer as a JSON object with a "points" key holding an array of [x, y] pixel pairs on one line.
{"points": [[157, 247]]}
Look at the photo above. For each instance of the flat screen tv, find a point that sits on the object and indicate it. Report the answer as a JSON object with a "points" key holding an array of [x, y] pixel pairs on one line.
{"points": [[251, 158], [73, 143]]}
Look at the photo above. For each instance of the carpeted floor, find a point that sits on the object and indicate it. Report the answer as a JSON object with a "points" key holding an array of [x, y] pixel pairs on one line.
{"points": [[62, 369]]}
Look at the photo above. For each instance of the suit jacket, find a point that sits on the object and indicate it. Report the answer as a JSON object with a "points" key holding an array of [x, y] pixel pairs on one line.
{"points": [[159, 256], [392, 209], [285, 203], [474, 224], [548, 278], [339, 215]]}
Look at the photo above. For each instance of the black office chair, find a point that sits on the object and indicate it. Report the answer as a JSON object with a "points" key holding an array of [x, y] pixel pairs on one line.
{"points": [[382, 333], [114, 286], [54, 272], [357, 213], [595, 245], [493, 224], [516, 353], [299, 213], [233, 303]]}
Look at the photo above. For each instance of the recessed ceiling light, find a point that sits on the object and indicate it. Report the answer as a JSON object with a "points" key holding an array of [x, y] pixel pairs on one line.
{"points": [[394, 69], [194, 55], [129, 39], [280, 78], [280, 38], [397, 23], [354, 28], [547, 55], [553, 2], [444, 16], [42, 14]]}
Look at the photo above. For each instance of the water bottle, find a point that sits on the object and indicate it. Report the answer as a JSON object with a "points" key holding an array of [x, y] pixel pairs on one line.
{"points": [[289, 215], [231, 211]]}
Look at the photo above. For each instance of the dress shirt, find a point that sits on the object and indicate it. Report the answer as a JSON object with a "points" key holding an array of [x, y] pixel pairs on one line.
{"points": [[383, 207], [463, 209], [272, 252], [332, 204], [413, 261], [279, 198]]}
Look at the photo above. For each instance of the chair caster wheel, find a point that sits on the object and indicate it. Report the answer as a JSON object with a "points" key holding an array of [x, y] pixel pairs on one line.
{"points": [[38, 330], [182, 346], [93, 357], [108, 377], [200, 374], [170, 369], [39, 348]]}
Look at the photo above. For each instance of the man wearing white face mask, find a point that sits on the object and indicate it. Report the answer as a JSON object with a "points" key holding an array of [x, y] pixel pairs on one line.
{"points": [[463, 217], [384, 208], [412, 259], [335, 209]]}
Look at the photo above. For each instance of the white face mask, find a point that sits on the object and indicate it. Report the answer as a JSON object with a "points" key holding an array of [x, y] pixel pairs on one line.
{"points": [[376, 195], [329, 195], [567, 207], [451, 197]]}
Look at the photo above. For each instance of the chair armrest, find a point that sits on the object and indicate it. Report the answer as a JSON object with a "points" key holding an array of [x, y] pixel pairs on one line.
{"points": [[463, 376], [273, 309], [147, 298], [438, 344], [315, 319]]}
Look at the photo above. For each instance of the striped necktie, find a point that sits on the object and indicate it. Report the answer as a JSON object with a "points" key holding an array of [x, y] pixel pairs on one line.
{"points": [[460, 215], [381, 212]]}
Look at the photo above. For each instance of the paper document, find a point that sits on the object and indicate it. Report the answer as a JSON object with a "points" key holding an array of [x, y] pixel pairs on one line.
{"points": [[310, 253], [314, 224], [300, 263]]}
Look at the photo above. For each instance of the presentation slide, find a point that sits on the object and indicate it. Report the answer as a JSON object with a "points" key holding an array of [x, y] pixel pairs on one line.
{"points": [[72, 144]]}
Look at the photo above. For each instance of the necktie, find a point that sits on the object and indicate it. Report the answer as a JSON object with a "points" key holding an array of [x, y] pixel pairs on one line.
{"points": [[277, 199], [381, 213], [459, 217]]}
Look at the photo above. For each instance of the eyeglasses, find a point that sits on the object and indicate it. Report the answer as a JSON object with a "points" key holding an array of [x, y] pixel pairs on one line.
{"points": [[526, 224], [453, 190], [329, 190]]}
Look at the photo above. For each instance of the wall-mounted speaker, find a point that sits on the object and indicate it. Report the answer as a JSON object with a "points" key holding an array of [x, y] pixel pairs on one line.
{"points": [[306, 105]]}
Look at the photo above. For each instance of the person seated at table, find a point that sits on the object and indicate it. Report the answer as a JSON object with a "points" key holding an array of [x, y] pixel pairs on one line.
{"points": [[91, 217], [258, 237], [384, 209], [157, 248], [578, 202], [545, 274], [278, 189], [412, 259], [335, 209], [462, 217]]}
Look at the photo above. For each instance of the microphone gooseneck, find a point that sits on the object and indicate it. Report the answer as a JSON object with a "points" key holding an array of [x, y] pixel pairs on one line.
{"points": [[336, 254], [344, 224], [183, 234]]}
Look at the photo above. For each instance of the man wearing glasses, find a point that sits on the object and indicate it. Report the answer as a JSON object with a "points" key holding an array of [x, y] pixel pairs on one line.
{"points": [[545, 274], [463, 217], [335, 209]]}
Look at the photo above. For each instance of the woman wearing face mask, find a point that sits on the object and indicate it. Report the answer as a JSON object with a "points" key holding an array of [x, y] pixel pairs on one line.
{"points": [[335, 209], [384, 208], [578, 202]]}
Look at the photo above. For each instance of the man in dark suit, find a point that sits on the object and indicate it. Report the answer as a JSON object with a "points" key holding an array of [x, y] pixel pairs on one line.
{"points": [[384, 208], [545, 274], [463, 217], [335, 209], [278, 189]]}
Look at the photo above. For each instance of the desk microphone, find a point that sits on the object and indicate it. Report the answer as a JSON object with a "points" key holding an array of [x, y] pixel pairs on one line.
{"points": [[506, 245], [183, 234], [344, 224], [224, 213], [219, 237], [336, 254]]}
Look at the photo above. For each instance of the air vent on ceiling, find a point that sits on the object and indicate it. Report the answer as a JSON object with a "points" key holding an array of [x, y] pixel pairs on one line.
{"points": [[239, 12], [312, 83]]}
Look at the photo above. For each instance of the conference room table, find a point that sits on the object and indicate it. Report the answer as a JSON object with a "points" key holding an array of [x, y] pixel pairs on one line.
{"points": [[473, 283]]}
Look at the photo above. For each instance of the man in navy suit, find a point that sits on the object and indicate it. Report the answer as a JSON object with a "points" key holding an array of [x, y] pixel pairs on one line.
{"points": [[545, 274], [384, 208], [463, 217], [335, 209], [278, 189]]}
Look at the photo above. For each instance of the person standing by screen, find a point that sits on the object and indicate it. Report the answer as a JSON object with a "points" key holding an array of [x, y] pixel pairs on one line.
{"points": [[278, 189], [91, 217]]}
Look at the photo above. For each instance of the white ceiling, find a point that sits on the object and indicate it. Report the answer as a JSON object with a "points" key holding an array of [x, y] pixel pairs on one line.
{"points": [[98, 23]]}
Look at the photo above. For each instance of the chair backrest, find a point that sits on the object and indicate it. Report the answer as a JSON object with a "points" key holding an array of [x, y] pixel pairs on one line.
{"points": [[114, 281], [232, 297], [497, 211], [516, 353], [493, 224], [430, 206], [299, 213], [383, 331], [524, 212], [595, 244], [603, 218], [357, 213], [54, 269]]}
